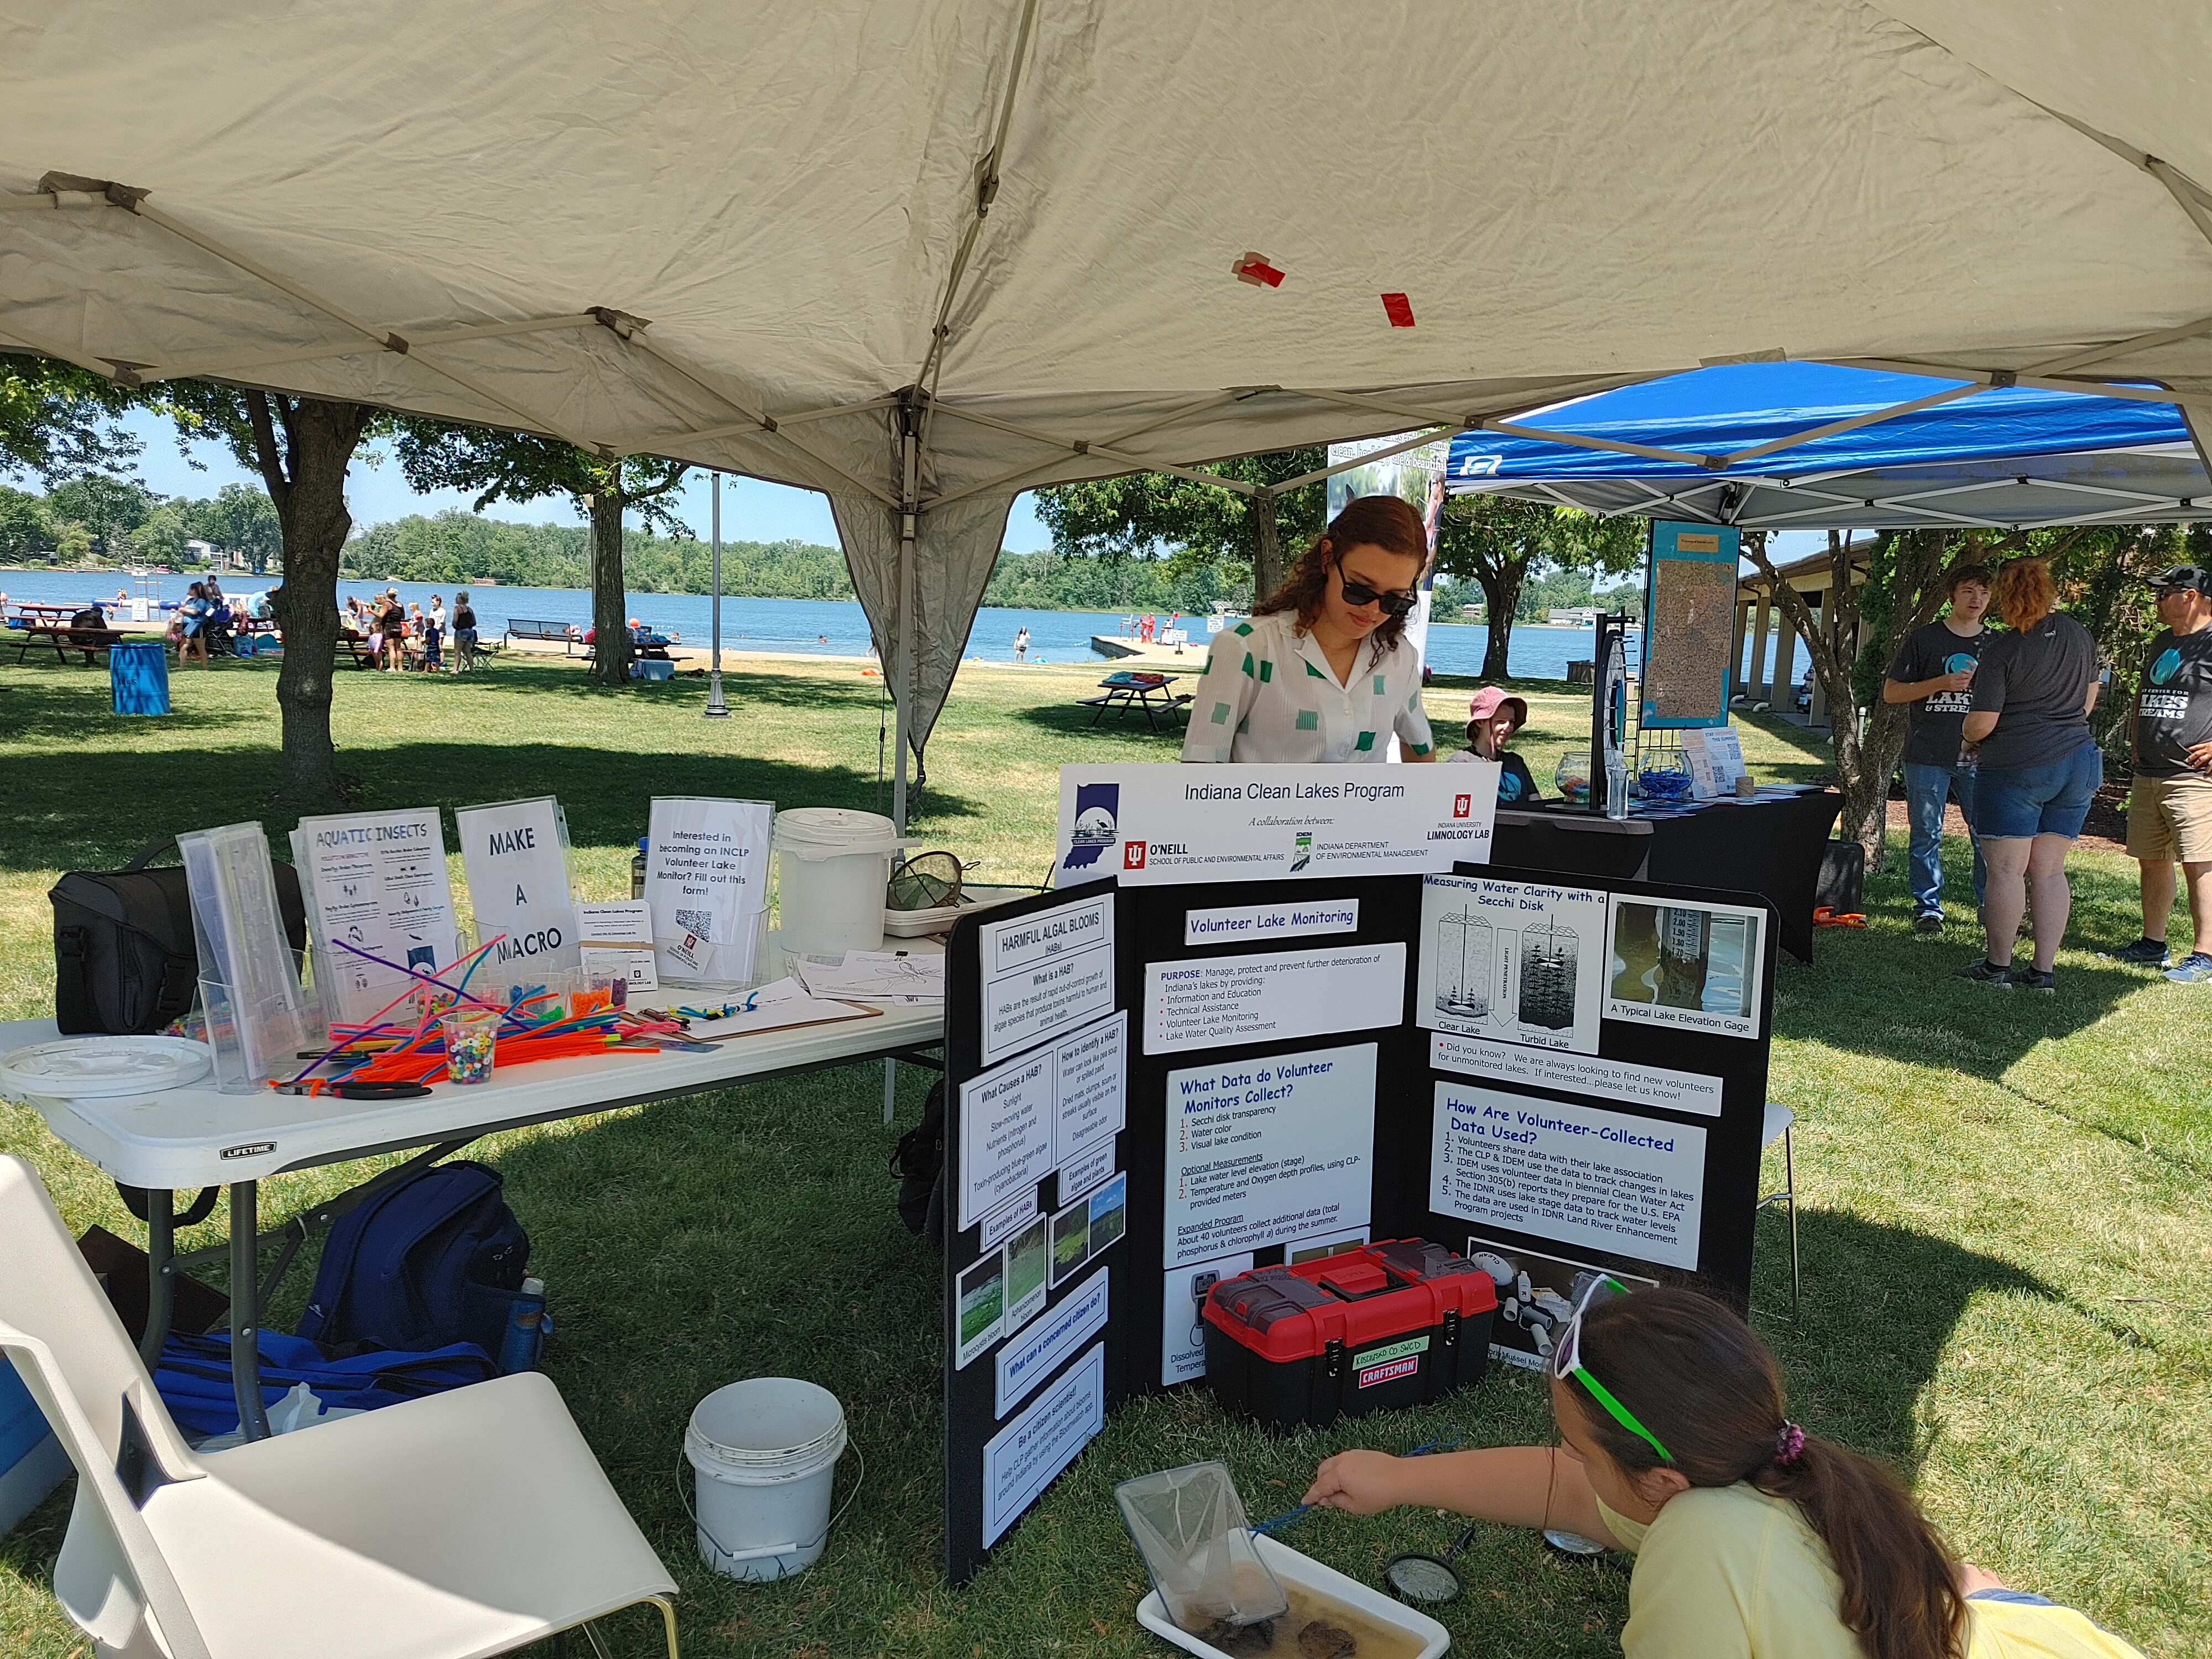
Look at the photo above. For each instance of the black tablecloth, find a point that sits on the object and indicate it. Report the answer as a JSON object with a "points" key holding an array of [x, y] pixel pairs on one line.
{"points": [[1771, 846]]}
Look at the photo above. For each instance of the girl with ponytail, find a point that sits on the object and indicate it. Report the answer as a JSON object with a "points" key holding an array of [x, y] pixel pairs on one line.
{"points": [[1754, 1539]]}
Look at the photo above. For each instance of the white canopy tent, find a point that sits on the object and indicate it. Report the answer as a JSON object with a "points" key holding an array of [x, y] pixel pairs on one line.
{"points": [[924, 256]]}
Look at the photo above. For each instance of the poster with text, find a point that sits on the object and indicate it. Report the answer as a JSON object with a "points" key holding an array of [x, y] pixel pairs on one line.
{"points": [[516, 856], [374, 882], [1695, 966], [705, 879], [1158, 825], [1514, 960], [1266, 1151], [1605, 1181]]}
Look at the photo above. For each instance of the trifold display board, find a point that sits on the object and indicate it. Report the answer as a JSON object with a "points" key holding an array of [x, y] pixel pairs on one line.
{"points": [[1150, 1089]]}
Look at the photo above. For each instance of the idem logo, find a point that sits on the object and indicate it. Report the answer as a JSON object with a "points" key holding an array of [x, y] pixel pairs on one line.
{"points": [[1133, 855], [1462, 806]]}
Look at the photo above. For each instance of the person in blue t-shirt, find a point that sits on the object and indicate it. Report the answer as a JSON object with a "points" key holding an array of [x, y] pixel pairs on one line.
{"points": [[1493, 717]]}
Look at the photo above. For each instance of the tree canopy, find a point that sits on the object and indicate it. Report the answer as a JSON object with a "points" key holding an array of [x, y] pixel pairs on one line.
{"points": [[1498, 542], [1145, 515], [57, 421]]}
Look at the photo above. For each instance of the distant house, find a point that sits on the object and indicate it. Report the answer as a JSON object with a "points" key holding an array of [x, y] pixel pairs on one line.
{"points": [[201, 552], [1574, 616]]}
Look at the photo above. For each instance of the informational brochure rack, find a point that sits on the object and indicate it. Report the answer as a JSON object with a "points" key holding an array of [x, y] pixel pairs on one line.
{"points": [[1152, 1088]]}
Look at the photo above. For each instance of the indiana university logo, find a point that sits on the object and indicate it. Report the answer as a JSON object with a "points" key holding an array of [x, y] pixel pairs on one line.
{"points": [[1462, 806], [1133, 855]]}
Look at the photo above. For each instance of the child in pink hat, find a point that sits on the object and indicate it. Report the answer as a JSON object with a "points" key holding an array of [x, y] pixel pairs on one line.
{"points": [[1493, 716]]}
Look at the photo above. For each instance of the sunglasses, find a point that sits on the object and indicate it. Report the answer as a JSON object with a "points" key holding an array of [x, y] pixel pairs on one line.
{"points": [[1567, 1362], [1358, 594]]}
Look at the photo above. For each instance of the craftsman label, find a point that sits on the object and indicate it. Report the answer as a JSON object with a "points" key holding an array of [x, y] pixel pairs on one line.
{"points": [[1389, 1351], [1389, 1373]]}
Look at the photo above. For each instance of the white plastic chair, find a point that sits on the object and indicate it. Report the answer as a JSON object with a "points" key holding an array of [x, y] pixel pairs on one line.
{"points": [[1776, 1126], [464, 1524]]}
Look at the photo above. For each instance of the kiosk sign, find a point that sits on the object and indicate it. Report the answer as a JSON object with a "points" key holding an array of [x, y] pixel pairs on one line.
{"points": [[1161, 825]]}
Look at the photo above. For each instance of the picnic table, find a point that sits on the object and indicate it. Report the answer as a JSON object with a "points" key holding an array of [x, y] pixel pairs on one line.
{"points": [[1126, 689], [49, 625]]}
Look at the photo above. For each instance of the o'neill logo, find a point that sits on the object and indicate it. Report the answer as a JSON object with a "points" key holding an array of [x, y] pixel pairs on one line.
{"points": [[1098, 811], [1133, 855], [1462, 807]]}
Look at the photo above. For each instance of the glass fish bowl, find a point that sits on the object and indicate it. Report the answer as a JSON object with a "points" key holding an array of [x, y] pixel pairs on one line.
{"points": [[1572, 778]]}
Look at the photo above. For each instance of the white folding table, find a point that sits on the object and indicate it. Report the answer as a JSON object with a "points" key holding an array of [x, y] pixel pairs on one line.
{"points": [[197, 1136]]}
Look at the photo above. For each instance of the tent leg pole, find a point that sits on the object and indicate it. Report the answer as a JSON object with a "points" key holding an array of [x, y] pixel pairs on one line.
{"points": [[716, 708], [902, 693]]}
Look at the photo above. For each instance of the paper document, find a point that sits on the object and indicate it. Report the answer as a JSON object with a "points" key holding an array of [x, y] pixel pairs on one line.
{"points": [[876, 977]]}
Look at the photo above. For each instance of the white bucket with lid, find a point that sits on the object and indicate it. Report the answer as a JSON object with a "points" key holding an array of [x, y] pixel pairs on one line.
{"points": [[832, 868], [765, 1453]]}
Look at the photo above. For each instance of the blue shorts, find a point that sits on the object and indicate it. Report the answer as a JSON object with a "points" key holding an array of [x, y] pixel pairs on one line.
{"points": [[2017, 803]]}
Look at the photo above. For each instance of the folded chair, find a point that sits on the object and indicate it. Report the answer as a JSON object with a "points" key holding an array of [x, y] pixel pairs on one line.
{"points": [[467, 1523]]}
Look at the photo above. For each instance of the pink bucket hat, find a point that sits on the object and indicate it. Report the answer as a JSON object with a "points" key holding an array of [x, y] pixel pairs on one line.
{"points": [[1487, 702]]}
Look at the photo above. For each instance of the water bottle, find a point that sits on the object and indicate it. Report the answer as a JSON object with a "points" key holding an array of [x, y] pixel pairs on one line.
{"points": [[637, 871], [518, 1350], [1616, 786]]}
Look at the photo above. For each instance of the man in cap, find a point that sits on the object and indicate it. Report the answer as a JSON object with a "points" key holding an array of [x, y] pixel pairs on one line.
{"points": [[2170, 804]]}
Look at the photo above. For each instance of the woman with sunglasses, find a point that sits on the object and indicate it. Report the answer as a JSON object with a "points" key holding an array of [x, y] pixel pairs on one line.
{"points": [[1321, 670], [1753, 1539]]}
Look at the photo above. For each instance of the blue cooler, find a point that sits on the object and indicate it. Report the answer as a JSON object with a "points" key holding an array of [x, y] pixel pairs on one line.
{"points": [[32, 1461], [139, 673], [652, 668]]}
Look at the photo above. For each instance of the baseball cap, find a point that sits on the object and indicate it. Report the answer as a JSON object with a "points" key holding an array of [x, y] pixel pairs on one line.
{"points": [[1485, 703], [2184, 576]]}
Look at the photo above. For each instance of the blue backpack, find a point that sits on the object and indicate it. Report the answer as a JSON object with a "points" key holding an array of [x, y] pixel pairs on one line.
{"points": [[194, 1377], [422, 1265]]}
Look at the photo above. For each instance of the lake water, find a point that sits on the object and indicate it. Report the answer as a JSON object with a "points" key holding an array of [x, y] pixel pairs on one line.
{"points": [[821, 628]]}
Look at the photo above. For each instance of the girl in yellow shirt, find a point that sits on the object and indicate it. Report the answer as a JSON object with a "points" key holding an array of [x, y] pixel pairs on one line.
{"points": [[1753, 1539]]}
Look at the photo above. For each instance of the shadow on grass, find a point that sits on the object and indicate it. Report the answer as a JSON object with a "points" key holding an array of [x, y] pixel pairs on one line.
{"points": [[603, 792], [83, 712]]}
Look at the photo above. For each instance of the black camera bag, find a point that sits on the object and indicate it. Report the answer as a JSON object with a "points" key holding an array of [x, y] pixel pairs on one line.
{"points": [[125, 960]]}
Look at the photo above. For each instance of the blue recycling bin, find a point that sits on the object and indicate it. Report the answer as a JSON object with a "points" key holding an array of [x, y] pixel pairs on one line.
{"points": [[139, 673]]}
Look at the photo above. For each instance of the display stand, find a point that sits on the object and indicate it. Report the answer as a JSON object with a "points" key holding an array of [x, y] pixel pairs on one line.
{"points": [[1557, 1072]]}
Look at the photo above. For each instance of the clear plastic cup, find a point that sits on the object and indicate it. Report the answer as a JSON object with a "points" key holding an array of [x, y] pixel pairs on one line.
{"points": [[471, 1035]]}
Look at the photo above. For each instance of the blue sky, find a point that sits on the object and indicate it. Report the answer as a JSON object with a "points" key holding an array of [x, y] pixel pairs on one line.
{"points": [[751, 511]]}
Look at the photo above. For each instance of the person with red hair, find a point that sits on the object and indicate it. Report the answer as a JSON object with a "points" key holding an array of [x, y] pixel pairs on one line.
{"points": [[1321, 670], [2038, 767]]}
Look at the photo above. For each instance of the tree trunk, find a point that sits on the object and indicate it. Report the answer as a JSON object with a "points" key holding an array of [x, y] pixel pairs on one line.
{"points": [[1266, 551], [1501, 594], [610, 613], [307, 485]]}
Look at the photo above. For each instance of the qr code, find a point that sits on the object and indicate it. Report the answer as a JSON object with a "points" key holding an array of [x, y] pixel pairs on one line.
{"points": [[698, 923]]}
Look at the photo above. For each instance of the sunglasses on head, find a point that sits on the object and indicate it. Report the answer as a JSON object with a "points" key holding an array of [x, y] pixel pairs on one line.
{"points": [[1358, 594], [1567, 1362]]}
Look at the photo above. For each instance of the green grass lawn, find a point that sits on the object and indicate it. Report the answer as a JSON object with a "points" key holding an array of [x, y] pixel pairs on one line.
{"points": [[2008, 1258]]}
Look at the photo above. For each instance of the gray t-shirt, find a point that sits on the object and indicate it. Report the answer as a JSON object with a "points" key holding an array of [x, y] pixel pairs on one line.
{"points": [[2035, 682]]}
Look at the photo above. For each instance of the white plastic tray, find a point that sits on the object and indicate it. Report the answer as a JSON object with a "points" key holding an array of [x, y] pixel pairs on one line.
{"points": [[1302, 1570], [92, 1068], [919, 924]]}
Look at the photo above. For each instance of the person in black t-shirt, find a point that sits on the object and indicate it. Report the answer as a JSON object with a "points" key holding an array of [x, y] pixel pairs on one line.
{"points": [[465, 633], [1933, 672], [2170, 802], [2039, 767]]}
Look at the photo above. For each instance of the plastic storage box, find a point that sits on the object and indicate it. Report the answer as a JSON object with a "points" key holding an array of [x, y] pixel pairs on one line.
{"points": [[1398, 1323], [32, 1461]]}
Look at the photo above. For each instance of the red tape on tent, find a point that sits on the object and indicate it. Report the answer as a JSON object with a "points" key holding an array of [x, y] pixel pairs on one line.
{"points": [[1398, 309], [1253, 268]]}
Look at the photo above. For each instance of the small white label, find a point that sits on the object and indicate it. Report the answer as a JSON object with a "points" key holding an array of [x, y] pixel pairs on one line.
{"points": [[1245, 922]]}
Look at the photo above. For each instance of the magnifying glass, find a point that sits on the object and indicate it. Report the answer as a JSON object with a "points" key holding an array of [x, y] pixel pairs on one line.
{"points": [[1431, 1580]]}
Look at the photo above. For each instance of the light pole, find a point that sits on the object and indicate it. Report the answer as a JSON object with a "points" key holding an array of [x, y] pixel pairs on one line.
{"points": [[716, 709]]}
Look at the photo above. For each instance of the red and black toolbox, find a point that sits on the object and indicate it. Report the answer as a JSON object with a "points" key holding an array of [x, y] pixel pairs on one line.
{"points": [[1398, 1323]]}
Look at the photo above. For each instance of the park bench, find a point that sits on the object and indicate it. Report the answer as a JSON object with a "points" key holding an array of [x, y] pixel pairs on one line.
{"points": [[523, 627]]}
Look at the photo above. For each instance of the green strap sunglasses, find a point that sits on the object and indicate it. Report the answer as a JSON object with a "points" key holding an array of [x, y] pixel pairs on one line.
{"points": [[1567, 1362]]}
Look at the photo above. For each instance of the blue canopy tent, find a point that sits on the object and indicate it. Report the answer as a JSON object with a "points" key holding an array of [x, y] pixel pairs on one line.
{"points": [[1786, 446]]}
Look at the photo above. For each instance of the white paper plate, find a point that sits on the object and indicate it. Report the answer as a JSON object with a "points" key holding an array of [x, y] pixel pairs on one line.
{"points": [[81, 1067], [1292, 1567]]}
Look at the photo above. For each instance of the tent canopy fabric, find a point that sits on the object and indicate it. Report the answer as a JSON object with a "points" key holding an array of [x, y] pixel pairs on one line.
{"points": [[1997, 456], [924, 256]]}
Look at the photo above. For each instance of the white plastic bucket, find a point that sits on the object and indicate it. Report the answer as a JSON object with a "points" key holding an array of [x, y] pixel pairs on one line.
{"points": [[765, 1451], [832, 870]]}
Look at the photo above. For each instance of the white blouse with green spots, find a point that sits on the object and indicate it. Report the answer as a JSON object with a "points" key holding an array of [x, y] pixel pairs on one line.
{"points": [[1268, 694]]}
